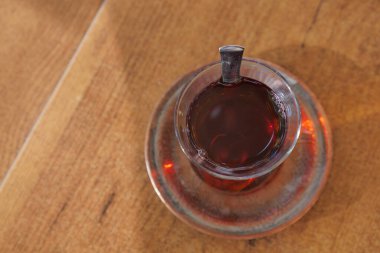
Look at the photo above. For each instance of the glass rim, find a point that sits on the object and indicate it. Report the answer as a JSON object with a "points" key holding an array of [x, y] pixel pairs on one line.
{"points": [[255, 169]]}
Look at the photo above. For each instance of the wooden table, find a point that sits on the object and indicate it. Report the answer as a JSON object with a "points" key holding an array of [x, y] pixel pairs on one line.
{"points": [[80, 79]]}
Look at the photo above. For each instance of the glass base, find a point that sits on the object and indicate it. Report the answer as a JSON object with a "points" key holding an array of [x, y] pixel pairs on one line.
{"points": [[276, 204]]}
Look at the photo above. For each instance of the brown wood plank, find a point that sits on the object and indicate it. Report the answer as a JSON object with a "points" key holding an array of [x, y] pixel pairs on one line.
{"points": [[80, 184], [38, 38]]}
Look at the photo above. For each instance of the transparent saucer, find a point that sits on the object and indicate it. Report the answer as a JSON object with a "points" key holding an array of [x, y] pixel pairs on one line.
{"points": [[291, 191]]}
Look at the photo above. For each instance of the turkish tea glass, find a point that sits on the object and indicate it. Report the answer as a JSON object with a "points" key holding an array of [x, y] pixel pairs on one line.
{"points": [[286, 104]]}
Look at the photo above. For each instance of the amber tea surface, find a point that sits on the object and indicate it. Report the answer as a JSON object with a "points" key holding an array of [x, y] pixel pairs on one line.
{"points": [[236, 125]]}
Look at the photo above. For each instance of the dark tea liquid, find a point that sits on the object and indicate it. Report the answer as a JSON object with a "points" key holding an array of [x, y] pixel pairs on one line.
{"points": [[236, 125]]}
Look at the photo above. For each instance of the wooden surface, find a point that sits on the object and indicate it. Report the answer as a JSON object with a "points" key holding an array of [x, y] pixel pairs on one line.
{"points": [[79, 82], [38, 38]]}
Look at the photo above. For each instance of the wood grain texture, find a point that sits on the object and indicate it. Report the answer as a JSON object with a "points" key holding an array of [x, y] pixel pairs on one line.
{"points": [[38, 38], [80, 183]]}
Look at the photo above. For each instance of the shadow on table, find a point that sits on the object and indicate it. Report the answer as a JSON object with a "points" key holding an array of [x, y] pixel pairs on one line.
{"points": [[348, 94]]}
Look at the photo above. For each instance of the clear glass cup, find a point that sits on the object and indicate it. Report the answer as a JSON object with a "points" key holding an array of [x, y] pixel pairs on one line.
{"points": [[286, 103]]}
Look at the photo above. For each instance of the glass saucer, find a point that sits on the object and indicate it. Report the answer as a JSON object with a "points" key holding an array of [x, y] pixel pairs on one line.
{"points": [[291, 191]]}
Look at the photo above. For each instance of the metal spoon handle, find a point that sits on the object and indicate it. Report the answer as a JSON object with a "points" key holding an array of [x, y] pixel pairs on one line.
{"points": [[231, 56]]}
